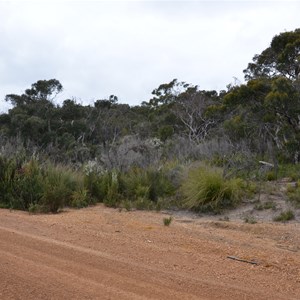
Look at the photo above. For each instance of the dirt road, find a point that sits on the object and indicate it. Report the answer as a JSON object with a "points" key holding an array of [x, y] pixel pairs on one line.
{"points": [[101, 253]]}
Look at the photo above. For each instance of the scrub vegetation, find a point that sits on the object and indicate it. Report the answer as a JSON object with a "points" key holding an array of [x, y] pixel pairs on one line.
{"points": [[186, 148]]}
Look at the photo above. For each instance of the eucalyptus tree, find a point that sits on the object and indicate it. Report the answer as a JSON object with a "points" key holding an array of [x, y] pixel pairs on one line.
{"points": [[281, 58], [33, 111]]}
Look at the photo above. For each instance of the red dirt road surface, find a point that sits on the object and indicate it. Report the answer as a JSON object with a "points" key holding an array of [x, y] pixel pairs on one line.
{"points": [[101, 253]]}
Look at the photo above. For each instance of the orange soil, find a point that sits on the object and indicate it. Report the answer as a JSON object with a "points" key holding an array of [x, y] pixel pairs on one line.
{"points": [[101, 253]]}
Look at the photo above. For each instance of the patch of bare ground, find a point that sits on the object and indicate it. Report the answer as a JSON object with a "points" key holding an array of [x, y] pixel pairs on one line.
{"points": [[102, 253]]}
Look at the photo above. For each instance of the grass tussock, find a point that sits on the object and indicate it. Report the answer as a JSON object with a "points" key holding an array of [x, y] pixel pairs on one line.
{"points": [[167, 221], [205, 189], [285, 216], [293, 193]]}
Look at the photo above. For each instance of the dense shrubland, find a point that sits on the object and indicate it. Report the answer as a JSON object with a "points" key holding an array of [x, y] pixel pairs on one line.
{"points": [[147, 156]]}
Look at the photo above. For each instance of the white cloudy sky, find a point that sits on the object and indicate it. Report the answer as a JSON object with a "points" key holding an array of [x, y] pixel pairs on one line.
{"points": [[128, 48]]}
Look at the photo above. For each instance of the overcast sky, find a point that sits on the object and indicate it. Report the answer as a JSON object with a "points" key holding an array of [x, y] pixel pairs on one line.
{"points": [[128, 48]]}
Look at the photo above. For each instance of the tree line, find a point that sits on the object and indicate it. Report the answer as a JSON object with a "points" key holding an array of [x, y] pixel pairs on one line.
{"points": [[259, 118]]}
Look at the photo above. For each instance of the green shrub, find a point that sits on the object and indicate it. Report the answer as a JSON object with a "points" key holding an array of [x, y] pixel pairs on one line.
{"points": [[112, 197], [293, 193], [167, 221], [126, 204], [266, 205], [143, 204], [80, 198], [37, 208], [8, 171], [28, 185], [270, 176], [140, 185], [291, 171], [285, 216], [20, 183], [205, 189], [59, 183], [97, 184]]}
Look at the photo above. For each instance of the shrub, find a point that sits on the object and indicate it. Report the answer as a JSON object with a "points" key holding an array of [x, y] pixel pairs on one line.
{"points": [[205, 189], [149, 184], [37, 208], [285, 216], [167, 221], [80, 198], [8, 170], [20, 183], [59, 183], [112, 197], [28, 185], [270, 175], [265, 205], [293, 193], [97, 184], [291, 171]]}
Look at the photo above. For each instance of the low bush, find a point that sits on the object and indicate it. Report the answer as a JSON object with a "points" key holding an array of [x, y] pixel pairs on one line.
{"points": [[58, 186], [291, 171], [293, 193], [149, 184], [80, 198], [205, 189], [285, 216], [28, 185], [265, 205], [167, 221], [113, 196], [31, 186]]}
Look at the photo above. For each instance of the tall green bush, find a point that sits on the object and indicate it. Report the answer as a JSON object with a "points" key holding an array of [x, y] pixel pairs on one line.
{"points": [[205, 189], [59, 185], [28, 185], [148, 184], [7, 174]]}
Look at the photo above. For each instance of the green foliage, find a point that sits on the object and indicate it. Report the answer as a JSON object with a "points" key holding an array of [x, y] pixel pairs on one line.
{"points": [[58, 186], [167, 221], [285, 216], [293, 193], [37, 208], [35, 187], [7, 175], [265, 205], [290, 171], [28, 185], [270, 176], [80, 198], [281, 58], [205, 189], [113, 196], [258, 120], [20, 183], [165, 132], [146, 184], [95, 186], [139, 188]]}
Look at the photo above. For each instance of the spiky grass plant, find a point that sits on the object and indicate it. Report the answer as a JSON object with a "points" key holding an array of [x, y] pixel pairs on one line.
{"points": [[167, 221], [205, 189], [285, 216], [59, 185]]}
